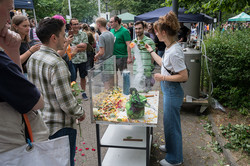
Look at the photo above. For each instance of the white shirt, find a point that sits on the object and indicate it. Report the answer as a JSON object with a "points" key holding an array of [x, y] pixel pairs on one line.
{"points": [[173, 60]]}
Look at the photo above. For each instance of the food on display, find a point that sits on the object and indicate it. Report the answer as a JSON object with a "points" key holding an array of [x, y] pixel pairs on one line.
{"points": [[114, 106]]}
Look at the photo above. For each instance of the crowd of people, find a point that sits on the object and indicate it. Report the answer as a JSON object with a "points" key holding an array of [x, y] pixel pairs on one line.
{"points": [[232, 26], [38, 63]]}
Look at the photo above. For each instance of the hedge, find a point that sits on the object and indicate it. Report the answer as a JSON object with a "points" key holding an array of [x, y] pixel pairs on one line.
{"points": [[230, 52]]}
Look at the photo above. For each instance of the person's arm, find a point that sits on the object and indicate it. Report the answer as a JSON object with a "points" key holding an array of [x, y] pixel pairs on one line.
{"points": [[83, 45], [100, 53], [181, 39], [182, 76], [152, 44], [29, 52], [10, 42], [39, 104], [17, 91], [61, 85], [127, 39], [65, 46], [129, 52], [156, 57]]}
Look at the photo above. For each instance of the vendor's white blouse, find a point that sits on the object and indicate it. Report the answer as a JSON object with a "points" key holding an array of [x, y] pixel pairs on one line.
{"points": [[173, 60]]}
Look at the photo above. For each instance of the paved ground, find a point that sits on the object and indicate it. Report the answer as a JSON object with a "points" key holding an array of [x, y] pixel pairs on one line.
{"points": [[196, 141]]}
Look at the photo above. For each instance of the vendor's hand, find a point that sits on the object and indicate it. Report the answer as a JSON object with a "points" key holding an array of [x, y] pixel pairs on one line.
{"points": [[148, 47], [158, 77], [129, 60], [81, 118], [35, 48], [9, 40]]}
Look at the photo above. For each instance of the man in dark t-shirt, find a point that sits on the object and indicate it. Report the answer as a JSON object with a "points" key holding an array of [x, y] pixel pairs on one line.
{"points": [[17, 95], [183, 33]]}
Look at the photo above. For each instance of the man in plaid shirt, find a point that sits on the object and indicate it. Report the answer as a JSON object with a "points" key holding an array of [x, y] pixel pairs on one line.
{"points": [[48, 71]]}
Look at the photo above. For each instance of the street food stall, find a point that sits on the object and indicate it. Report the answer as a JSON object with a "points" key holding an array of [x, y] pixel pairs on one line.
{"points": [[130, 113]]}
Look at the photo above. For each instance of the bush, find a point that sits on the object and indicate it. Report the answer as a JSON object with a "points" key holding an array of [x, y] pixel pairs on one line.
{"points": [[238, 137], [230, 52]]}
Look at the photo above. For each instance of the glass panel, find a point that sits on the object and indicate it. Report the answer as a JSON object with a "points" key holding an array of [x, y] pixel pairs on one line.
{"points": [[110, 94]]}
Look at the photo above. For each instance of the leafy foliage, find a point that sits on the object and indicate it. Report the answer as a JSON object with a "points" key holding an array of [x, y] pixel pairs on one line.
{"points": [[208, 128], [83, 10], [238, 137], [230, 54], [136, 6], [47, 8], [212, 6]]}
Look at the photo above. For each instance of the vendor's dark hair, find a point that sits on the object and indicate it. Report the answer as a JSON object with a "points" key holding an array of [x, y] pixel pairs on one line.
{"points": [[168, 23], [116, 18], [48, 27], [140, 22]]}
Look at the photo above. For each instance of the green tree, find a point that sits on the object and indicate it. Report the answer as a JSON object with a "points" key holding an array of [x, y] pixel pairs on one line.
{"points": [[117, 5], [212, 7], [142, 6], [135, 6], [47, 8], [83, 10]]}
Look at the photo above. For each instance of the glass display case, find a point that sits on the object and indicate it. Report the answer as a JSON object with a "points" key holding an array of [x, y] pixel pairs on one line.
{"points": [[125, 98]]}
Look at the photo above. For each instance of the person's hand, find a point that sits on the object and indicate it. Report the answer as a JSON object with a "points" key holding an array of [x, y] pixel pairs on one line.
{"points": [[9, 40], [129, 60], [158, 77], [81, 118], [35, 48], [96, 58], [69, 39], [74, 51], [148, 47]]}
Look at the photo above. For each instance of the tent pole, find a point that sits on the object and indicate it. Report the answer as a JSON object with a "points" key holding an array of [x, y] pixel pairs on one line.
{"points": [[70, 13], [35, 16], [175, 7]]}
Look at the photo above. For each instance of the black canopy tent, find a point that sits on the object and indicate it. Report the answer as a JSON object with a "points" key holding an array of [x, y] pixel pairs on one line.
{"points": [[182, 16], [25, 4]]}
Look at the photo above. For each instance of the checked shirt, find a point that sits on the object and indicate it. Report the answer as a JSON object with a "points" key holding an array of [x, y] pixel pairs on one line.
{"points": [[48, 71]]}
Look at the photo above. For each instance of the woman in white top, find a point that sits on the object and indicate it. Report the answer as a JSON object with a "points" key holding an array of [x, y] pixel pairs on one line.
{"points": [[173, 72]]}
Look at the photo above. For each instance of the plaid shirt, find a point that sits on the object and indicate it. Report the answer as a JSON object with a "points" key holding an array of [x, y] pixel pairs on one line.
{"points": [[48, 71]]}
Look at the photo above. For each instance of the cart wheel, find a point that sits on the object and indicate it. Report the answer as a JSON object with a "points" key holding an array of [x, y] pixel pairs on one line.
{"points": [[197, 110]]}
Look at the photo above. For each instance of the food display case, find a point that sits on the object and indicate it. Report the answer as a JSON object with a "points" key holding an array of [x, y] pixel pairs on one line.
{"points": [[108, 99], [131, 112]]}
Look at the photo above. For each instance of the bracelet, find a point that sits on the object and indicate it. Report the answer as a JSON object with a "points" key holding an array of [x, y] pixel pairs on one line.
{"points": [[151, 51], [31, 51]]}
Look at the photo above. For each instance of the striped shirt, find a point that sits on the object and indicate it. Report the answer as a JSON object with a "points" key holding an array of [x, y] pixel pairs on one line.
{"points": [[48, 71], [145, 55]]}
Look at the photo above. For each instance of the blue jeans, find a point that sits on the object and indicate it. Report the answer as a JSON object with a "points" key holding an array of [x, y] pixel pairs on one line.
{"points": [[72, 71], [172, 101], [72, 141]]}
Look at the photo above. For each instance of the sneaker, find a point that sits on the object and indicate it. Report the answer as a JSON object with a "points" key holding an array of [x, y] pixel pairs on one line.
{"points": [[163, 148], [163, 162], [84, 96]]}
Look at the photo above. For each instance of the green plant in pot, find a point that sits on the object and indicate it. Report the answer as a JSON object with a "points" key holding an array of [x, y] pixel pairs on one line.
{"points": [[136, 105]]}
